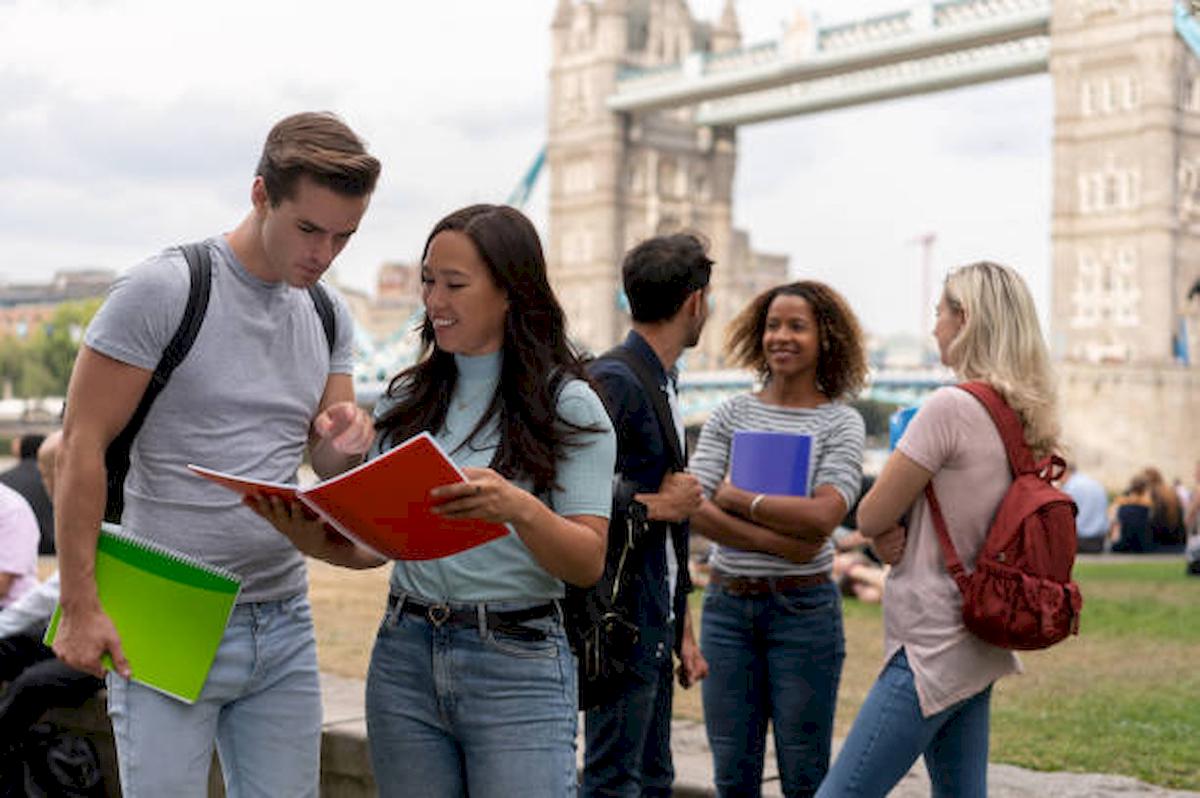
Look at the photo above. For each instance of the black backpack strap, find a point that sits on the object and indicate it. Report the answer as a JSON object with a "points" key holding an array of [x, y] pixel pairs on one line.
{"points": [[666, 421], [324, 306], [116, 458], [658, 400]]}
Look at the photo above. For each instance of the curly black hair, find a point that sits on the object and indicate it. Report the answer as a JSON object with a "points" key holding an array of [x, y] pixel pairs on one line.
{"points": [[842, 363]]}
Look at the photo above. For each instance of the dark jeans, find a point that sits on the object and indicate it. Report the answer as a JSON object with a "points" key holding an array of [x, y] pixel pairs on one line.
{"points": [[37, 682], [776, 657], [628, 751]]}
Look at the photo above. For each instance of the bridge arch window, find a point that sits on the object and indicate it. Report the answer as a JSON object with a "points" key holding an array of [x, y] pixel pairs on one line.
{"points": [[1191, 93], [667, 178], [579, 176]]}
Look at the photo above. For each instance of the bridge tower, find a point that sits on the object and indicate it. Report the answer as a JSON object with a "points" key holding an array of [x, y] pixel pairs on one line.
{"points": [[1126, 212], [616, 179]]}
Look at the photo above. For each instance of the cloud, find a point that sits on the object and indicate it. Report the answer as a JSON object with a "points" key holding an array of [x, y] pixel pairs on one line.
{"points": [[129, 125]]}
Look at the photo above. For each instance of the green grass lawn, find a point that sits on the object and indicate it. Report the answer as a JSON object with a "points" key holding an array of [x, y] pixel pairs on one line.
{"points": [[1123, 697]]}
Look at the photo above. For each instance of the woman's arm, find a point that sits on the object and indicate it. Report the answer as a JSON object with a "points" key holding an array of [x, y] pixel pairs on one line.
{"points": [[570, 548], [729, 530], [898, 486], [808, 518]]}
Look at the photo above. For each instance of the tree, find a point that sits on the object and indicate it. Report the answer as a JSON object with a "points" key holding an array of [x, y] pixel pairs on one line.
{"points": [[41, 364]]}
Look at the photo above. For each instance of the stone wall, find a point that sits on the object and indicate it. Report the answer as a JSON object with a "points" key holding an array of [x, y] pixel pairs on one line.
{"points": [[1119, 419]]}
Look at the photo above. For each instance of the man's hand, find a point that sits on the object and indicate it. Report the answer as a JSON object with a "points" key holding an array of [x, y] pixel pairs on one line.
{"points": [[692, 665], [678, 497], [346, 427], [890, 545], [84, 637]]}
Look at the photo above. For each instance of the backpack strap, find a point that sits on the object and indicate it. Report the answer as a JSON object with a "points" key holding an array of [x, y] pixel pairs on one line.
{"points": [[678, 462], [1008, 424], [1020, 460], [949, 553], [324, 306], [658, 400], [200, 273], [116, 457]]}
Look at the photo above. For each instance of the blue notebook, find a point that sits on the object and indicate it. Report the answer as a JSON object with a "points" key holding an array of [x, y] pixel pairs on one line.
{"points": [[778, 463]]}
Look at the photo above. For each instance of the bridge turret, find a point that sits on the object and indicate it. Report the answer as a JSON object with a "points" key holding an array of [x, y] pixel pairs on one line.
{"points": [[727, 33]]}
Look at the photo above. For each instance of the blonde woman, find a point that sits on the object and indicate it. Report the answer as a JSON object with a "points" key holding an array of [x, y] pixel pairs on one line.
{"points": [[932, 698]]}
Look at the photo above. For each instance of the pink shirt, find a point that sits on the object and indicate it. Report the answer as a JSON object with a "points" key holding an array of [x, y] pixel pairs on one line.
{"points": [[18, 543], [953, 437]]}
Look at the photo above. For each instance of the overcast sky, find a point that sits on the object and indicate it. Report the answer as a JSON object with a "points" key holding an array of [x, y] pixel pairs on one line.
{"points": [[129, 125]]}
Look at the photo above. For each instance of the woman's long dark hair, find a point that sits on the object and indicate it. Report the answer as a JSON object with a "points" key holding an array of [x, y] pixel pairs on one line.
{"points": [[536, 357]]}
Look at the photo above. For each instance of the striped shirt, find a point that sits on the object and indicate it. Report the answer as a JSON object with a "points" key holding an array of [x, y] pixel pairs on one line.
{"points": [[837, 449]]}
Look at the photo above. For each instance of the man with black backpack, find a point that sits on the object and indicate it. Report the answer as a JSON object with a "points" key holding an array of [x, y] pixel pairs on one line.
{"points": [[628, 736], [259, 367]]}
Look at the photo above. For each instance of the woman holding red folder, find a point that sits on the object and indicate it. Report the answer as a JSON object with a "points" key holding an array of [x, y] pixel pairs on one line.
{"points": [[771, 629], [472, 685]]}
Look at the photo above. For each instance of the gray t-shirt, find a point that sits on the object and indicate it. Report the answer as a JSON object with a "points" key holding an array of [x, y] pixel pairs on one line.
{"points": [[241, 401]]}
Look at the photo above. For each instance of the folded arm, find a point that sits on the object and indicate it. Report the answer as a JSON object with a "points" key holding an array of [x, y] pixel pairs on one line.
{"points": [[889, 499], [810, 519], [730, 530]]}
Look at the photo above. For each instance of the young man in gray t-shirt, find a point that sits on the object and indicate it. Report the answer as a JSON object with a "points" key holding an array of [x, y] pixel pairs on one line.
{"points": [[260, 384]]}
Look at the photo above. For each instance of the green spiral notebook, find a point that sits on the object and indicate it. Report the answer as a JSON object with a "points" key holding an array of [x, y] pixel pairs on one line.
{"points": [[169, 609]]}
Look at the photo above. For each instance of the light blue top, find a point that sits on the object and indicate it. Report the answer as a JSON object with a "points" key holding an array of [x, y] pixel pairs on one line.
{"points": [[504, 569], [1092, 501]]}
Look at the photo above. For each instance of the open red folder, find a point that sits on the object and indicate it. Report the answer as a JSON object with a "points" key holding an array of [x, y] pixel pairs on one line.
{"points": [[384, 504]]}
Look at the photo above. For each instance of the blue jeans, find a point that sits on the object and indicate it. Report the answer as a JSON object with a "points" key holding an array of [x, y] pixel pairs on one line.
{"points": [[456, 710], [628, 751], [890, 733], [261, 704], [775, 657]]}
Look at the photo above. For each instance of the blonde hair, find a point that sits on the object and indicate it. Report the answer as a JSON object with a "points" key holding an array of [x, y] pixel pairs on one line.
{"points": [[1001, 344]]}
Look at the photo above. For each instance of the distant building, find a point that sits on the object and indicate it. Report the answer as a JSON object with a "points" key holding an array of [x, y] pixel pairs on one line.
{"points": [[25, 307], [387, 315]]}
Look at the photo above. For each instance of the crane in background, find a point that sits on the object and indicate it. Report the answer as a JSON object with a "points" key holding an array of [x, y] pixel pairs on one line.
{"points": [[926, 241]]}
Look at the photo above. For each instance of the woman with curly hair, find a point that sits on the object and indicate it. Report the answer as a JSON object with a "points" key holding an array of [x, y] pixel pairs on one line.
{"points": [[932, 698], [772, 622]]}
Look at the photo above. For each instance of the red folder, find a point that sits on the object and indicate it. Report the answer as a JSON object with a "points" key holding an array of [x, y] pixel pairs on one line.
{"points": [[384, 504]]}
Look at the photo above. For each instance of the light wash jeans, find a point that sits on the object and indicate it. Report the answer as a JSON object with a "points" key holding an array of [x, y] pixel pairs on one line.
{"points": [[775, 657], [455, 711], [889, 734], [261, 704]]}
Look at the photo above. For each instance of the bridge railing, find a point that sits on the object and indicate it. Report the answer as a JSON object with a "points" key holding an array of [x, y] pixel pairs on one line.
{"points": [[893, 38]]}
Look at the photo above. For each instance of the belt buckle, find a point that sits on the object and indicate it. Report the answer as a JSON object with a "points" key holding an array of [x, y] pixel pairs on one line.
{"points": [[438, 614]]}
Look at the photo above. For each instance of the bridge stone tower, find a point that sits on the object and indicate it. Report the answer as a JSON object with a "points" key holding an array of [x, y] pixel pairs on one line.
{"points": [[616, 179], [1126, 213]]}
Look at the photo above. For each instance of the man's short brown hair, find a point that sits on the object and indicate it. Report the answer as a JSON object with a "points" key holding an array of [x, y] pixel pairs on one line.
{"points": [[319, 146]]}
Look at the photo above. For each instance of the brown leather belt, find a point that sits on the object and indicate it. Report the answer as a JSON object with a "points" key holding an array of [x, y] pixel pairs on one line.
{"points": [[765, 585]]}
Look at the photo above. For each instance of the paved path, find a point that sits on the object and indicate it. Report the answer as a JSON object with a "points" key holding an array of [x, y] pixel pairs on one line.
{"points": [[344, 718], [693, 776]]}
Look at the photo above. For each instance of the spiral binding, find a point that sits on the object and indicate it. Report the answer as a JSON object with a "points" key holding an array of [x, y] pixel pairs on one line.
{"points": [[115, 531]]}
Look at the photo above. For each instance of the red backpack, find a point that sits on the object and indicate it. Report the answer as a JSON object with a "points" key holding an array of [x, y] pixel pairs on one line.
{"points": [[1020, 595]]}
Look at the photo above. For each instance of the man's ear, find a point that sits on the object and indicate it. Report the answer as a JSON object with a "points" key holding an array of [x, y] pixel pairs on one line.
{"points": [[258, 194]]}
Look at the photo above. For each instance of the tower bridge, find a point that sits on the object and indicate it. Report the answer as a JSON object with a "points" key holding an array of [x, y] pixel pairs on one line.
{"points": [[645, 102]]}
